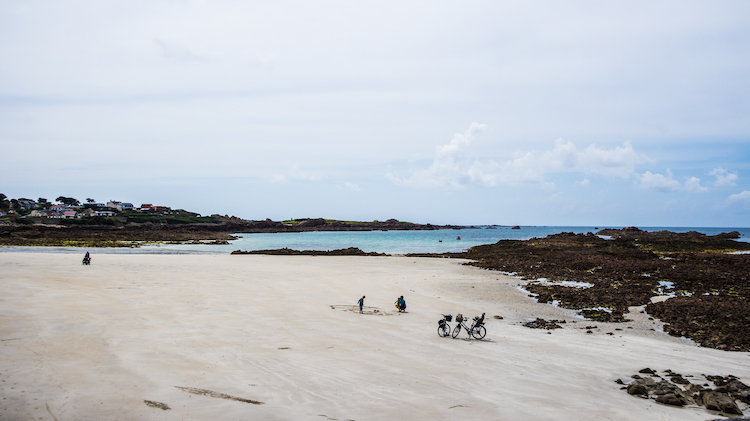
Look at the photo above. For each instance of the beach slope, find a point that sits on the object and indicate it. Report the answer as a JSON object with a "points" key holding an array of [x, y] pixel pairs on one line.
{"points": [[178, 337]]}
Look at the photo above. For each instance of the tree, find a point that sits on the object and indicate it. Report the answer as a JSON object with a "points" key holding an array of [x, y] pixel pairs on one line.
{"points": [[42, 200], [90, 200], [4, 203], [68, 201]]}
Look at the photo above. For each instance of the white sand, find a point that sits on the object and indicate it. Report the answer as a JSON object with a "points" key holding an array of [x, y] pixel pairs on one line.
{"points": [[93, 342]]}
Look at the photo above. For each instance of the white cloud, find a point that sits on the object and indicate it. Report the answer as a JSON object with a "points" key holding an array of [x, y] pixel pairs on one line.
{"points": [[693, 184], [446, 169], [743, 197], [451, 167], [584, 182], [293, 173], [666, 183], [349, 186], [277, 179], [724, 177], [659, 182]]}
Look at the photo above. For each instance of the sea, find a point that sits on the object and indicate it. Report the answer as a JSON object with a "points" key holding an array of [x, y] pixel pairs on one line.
{"points": [[388, 242]]}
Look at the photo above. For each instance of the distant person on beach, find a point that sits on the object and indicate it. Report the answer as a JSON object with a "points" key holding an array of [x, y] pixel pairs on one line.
{"points": [[361, 303], [401, 304], [87, 256]]}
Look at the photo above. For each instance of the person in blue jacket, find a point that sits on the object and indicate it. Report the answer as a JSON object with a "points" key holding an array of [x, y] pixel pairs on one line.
{"points": [[401, 304], [361, 303]]}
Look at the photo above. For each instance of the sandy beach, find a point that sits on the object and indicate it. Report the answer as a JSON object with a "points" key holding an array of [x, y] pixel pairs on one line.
{"points": [[280, 338]]}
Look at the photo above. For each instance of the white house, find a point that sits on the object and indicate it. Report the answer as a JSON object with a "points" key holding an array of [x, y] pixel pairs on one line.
{"points": [[92, 212]]}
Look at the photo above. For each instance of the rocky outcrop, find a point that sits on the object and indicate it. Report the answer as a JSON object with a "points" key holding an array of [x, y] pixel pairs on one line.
{"points": [[351, 251], [678, 391], [540, 323], [712, 288], [716, 321]]}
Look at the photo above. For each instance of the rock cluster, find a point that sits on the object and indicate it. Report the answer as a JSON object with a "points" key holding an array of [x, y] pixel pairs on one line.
{"points": [[711, 288], [679, 391], [540, 323], [351, 251]]}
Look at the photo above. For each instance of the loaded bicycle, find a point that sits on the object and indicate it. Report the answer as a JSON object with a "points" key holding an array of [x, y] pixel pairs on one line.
{"points": [[444, 329], [476, 330]]}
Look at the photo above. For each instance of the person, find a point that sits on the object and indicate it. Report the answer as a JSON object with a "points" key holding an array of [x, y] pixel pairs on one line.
{"points": [[401, 304], [87, 258], [361, 303]]}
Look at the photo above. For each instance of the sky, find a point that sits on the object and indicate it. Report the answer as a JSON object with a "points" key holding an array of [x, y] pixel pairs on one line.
{"points": [[583, 113]]}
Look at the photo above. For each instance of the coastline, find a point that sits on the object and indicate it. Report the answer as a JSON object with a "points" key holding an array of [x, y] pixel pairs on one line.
{"points": [[86, 342]]}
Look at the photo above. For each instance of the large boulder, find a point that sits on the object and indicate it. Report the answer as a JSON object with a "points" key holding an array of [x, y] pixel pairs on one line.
{"points": [[675, 398], [641, 387], [720, 402]]}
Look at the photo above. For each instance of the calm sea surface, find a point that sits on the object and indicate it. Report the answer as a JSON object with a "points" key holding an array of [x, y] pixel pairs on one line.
{"points": [[389, 242]]}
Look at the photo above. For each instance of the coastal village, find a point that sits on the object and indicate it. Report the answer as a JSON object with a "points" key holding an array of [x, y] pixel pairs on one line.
{"points": [[70, 208]]}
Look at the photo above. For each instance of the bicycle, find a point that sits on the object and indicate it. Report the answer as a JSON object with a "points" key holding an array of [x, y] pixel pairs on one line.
{"points": [[477, 329], [444, 329]]}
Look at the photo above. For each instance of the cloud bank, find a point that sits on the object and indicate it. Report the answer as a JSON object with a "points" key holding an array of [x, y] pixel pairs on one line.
{"points": [[453, 165]]}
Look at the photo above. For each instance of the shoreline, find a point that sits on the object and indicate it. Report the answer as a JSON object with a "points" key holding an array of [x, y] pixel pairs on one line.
{"points": [[87, 342]]}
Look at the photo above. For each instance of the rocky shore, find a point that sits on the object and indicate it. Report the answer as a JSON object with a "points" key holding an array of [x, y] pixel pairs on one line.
{"points": [[351, 251], [123, 234], [675, 389], [707, 290]]}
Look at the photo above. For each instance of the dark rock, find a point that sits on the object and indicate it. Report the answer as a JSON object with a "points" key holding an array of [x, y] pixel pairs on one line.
{"points": [[646, 371], [671, 399], [720, 402], [540, 323], [735, 385], [351, 251], [679, 379], [638, 388], [694, 388]]}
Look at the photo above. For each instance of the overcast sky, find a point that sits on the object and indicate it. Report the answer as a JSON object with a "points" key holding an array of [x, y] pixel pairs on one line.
{"points": [[474, 112]]}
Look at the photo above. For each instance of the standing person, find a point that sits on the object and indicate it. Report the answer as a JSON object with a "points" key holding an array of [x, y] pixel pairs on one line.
{"points": [[361, 303]]}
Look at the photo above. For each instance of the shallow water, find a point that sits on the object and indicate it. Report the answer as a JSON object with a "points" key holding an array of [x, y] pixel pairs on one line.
{"points": [[389, 242]]}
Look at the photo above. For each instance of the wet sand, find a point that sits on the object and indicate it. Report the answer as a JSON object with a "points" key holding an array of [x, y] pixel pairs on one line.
{"points": [[281, 338]]}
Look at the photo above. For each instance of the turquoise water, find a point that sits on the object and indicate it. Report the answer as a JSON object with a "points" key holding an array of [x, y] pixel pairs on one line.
{"points": [[389, 242]]}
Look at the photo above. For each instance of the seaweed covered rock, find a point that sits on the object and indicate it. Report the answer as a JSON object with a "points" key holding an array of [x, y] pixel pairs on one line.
{"points": [[721, 398]]}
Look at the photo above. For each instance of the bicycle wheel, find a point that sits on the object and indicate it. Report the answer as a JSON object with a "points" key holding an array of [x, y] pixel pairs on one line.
{"points": [[479, 332], [444, 330], [456, 330]]}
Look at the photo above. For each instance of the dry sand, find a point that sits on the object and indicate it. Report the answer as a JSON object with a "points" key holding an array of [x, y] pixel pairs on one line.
{"points": [[119, 338]]}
